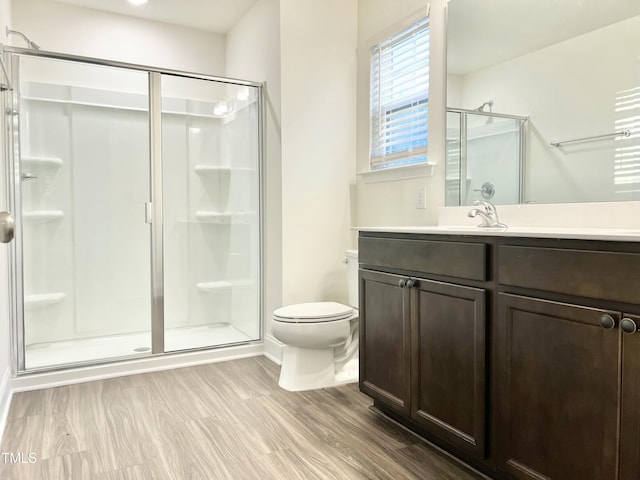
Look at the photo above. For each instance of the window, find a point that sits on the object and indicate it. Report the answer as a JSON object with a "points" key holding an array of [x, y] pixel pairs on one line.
{"points": [[400, 98]]}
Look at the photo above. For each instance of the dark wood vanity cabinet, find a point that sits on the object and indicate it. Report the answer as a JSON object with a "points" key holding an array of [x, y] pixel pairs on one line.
{"points": [[422, 339], [448, 377], [522, 357], [567, 364], [385, 339], [558, 390], [630, 405]]}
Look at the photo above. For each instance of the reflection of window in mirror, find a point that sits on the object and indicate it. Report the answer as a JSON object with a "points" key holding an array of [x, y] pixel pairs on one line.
{"points": [[626, 176], [572, 69], [399, 98]]}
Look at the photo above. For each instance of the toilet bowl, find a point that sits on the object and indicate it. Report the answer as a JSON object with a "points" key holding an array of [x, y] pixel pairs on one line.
{"points": [[320, 340]]}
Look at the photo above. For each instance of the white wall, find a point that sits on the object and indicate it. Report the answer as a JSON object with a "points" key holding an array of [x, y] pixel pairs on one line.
{"points": [[318, 59], [253, 52], [5, 328], [64, 28]]}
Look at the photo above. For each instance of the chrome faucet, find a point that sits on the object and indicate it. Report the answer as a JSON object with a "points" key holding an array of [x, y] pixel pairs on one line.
{"points": [[489, 215]]}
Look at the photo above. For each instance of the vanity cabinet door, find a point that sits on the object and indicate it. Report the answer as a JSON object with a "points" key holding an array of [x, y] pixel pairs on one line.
{"points": [[558, 390], [384, 339], [448, 357], [630, 406]]}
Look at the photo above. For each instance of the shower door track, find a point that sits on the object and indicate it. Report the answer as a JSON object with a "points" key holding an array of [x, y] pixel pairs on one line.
{"points": [[128, 66], [487, 114], [14, 204]]}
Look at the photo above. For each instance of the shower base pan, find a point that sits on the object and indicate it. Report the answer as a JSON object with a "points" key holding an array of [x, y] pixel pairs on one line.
{"points": [[61, 353]]}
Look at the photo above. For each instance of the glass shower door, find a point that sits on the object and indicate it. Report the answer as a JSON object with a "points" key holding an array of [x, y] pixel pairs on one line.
{"points": [[484, 157], [137, 200], [494, 158], [83, 179], [211, 261]]}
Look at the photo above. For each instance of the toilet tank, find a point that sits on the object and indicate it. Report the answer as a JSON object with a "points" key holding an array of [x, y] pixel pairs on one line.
{"points": [[352, 277]]}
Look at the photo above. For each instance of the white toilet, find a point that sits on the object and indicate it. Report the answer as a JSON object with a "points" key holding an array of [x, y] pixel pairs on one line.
{"points": [[320, 339]]}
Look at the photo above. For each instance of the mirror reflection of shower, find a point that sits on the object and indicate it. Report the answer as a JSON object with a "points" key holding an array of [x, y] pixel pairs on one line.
{"points": [[485, 104], [30, 44], [485, 156], [487, 190]]}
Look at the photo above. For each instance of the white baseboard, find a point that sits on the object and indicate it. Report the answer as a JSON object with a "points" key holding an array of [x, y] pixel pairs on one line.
{"points": [[5, 399], [37, 381], [273, 349]]}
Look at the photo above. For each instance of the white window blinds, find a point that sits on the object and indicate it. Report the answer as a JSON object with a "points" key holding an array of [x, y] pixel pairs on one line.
{"points": [[399, 98]]}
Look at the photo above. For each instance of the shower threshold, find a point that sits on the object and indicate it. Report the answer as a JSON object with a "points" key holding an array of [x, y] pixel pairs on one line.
{"points": [[41, 355]]}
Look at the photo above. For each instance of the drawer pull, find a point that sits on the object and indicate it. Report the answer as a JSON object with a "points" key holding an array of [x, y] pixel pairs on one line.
{"points": [[411, 283], [607, 322], [402, 283], [628, 326]]}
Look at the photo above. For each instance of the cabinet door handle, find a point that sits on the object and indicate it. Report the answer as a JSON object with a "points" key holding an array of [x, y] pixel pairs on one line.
{"points": [[411, 283], [628, 326], [607, 322], [402, 283]]}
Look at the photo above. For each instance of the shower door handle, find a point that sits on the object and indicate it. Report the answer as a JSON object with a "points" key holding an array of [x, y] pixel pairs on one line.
{"points": [[148, 212], [7, 225]]}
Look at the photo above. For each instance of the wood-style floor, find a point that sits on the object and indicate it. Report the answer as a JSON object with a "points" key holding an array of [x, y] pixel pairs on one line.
{"points": [[219, 421]]}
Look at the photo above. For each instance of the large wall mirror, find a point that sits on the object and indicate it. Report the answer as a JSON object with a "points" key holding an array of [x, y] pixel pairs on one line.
{"points": [[543, 101]]}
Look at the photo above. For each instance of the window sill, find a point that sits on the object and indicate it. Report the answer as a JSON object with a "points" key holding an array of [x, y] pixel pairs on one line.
{"points": [[398, 173]]}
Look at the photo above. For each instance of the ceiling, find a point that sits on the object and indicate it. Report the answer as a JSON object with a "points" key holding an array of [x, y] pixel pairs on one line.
{"points": [[211, 15]]}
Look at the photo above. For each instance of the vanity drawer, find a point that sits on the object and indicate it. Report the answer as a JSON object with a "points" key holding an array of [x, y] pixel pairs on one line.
{"points": [[454, 259], [585, 273]]}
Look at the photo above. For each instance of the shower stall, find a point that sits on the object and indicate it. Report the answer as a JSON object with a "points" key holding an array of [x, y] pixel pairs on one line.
{"points": [[485, 156], [137, 200]]}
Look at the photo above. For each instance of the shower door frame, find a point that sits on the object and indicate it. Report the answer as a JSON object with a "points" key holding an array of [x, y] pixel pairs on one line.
{"points": [[522, 148], [13, 185]]}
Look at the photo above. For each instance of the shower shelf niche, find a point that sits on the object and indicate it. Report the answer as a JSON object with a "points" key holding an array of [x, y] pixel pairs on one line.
{"points": [[44, 162], [42, 300], [207, 287], [216, 169], [207, 216], [211, 169], [43, 216]]}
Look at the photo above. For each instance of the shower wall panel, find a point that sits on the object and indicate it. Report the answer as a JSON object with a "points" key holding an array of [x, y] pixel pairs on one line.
{"points": [[111, 238], [493, 155], [176, 233], [49, 285], [244, 189]]}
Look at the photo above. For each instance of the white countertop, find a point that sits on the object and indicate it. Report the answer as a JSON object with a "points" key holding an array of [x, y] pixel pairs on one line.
{"points": [[609, 234]]}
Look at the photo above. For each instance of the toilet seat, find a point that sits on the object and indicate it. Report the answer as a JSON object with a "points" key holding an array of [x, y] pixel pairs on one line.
{"points": [[314, 312]]}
